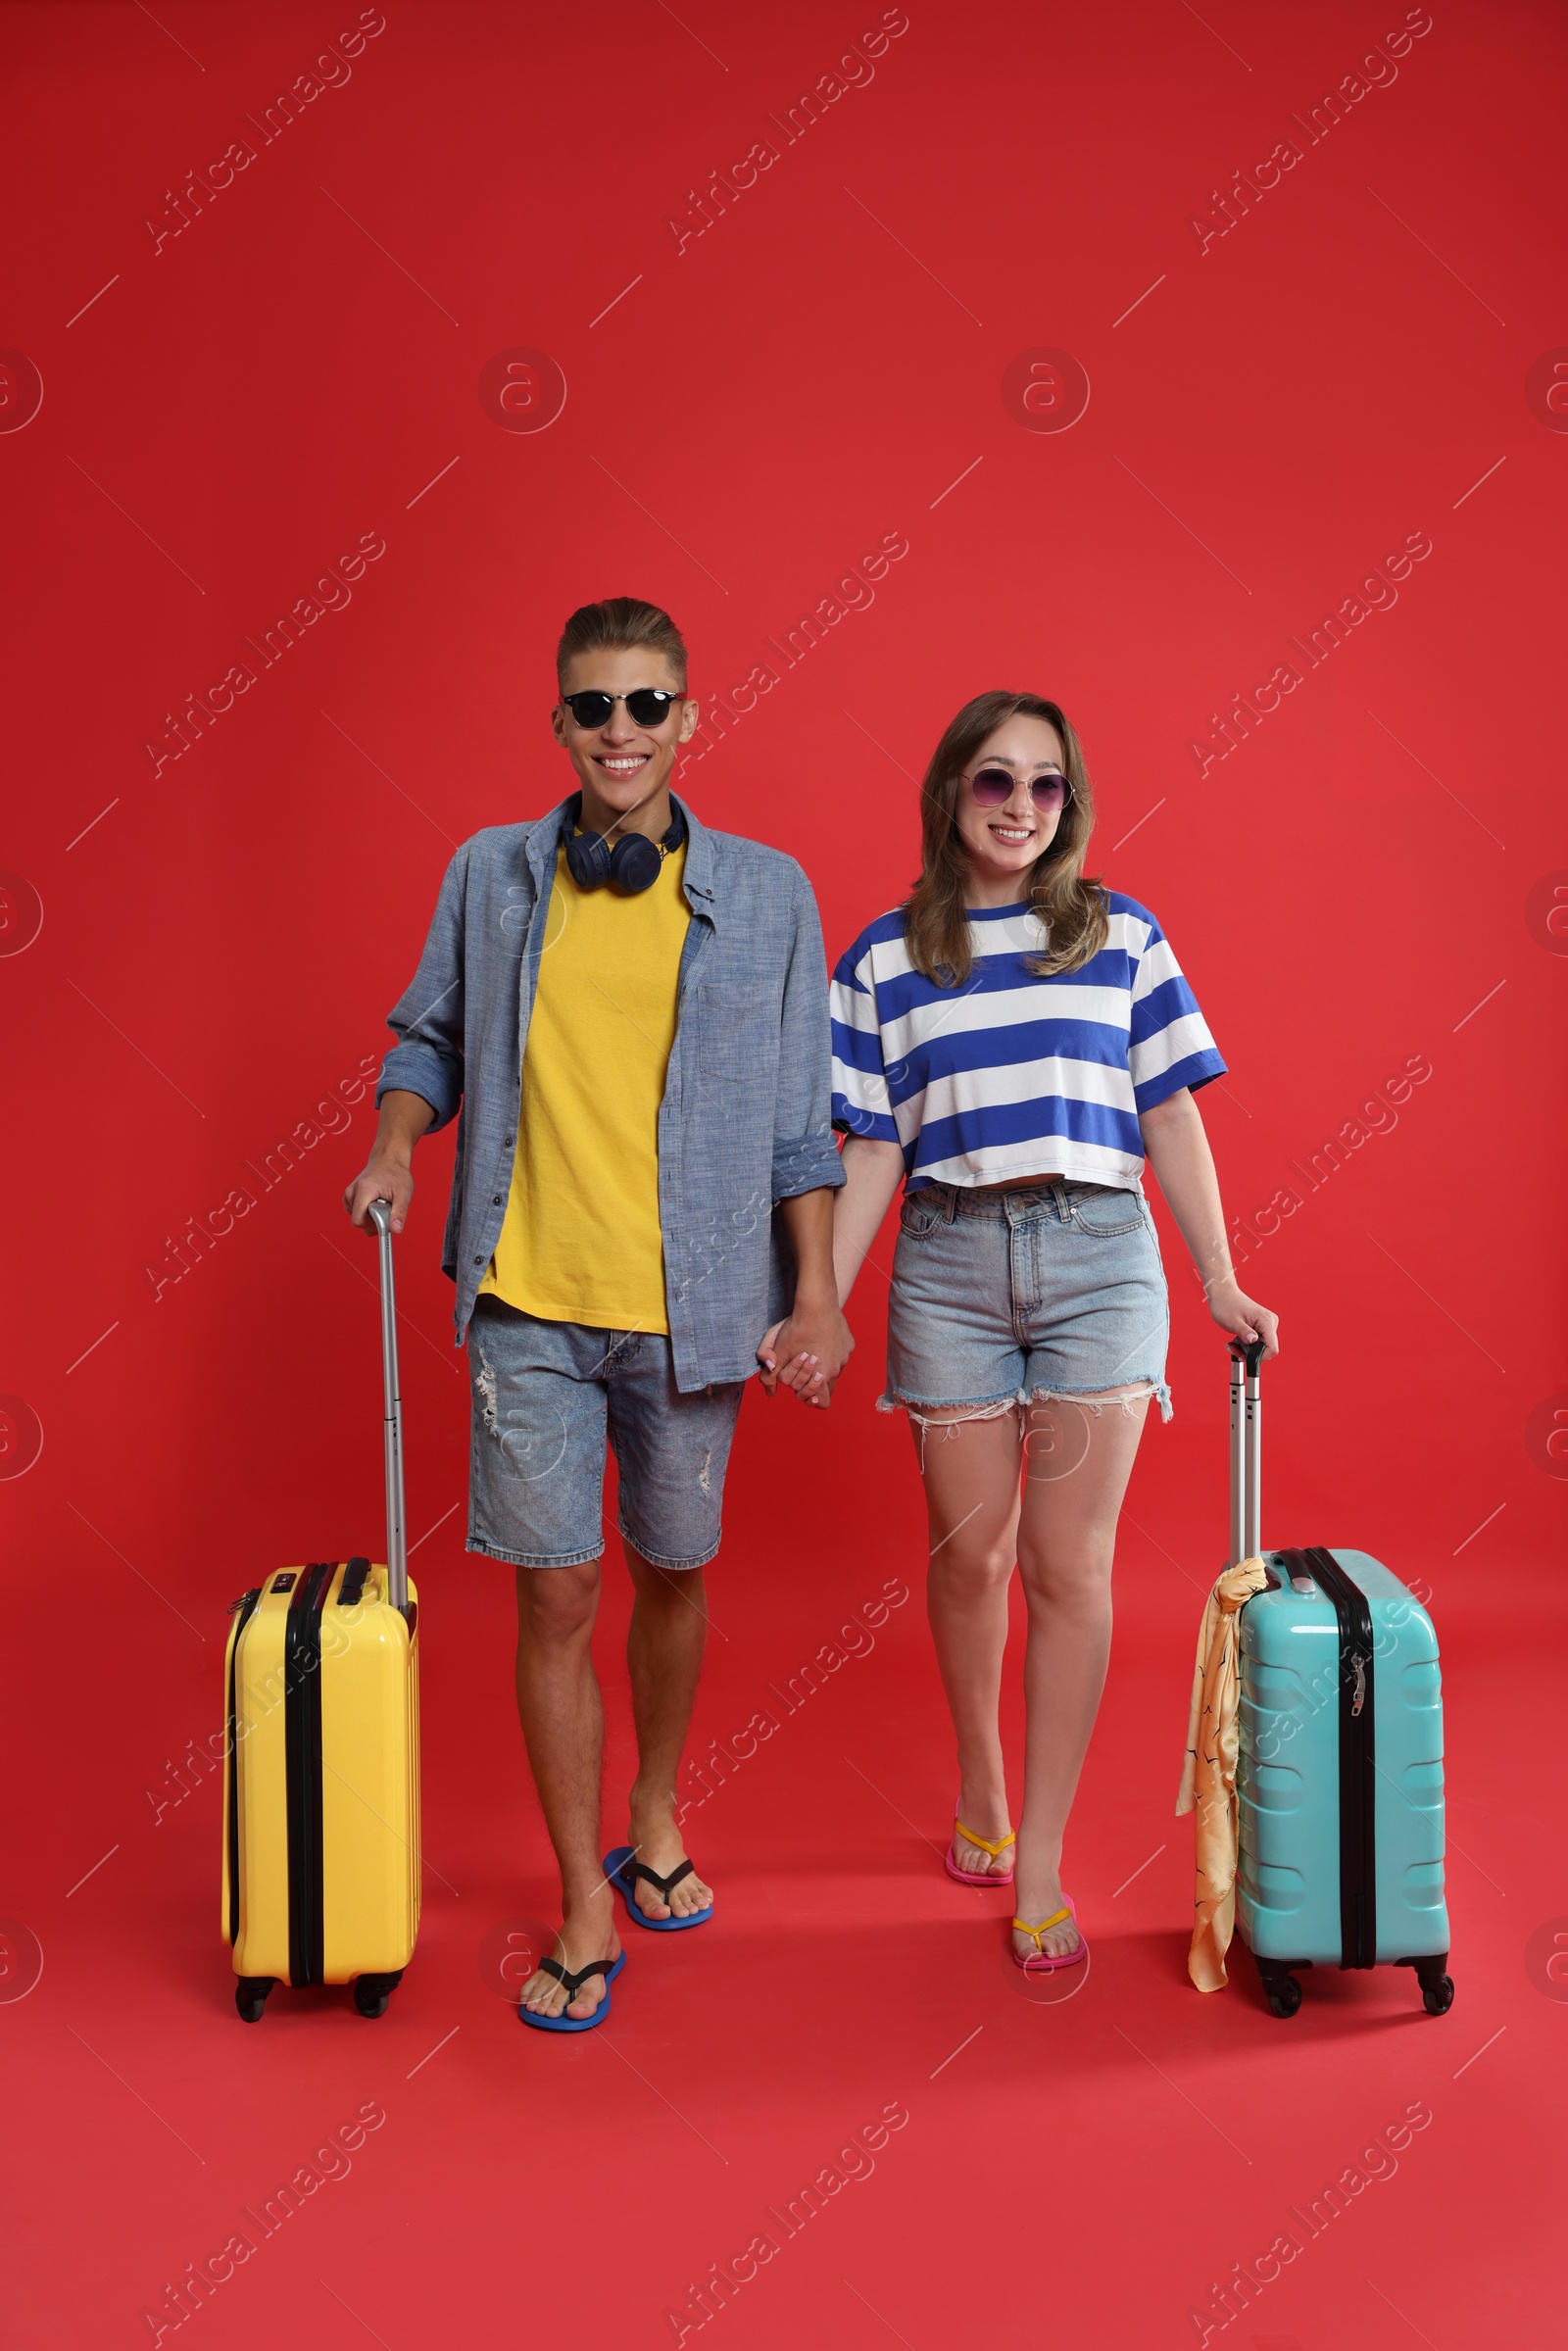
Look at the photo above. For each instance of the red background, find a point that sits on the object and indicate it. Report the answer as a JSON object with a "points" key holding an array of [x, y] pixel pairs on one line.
{"points": [[1366, 878]]}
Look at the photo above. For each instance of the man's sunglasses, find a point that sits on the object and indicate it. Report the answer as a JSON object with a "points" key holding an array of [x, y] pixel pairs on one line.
{"points": [[648, 705], [994, 787]]}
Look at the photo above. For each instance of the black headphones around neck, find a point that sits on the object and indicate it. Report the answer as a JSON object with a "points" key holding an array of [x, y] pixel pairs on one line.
{"points": [[631, 866]]}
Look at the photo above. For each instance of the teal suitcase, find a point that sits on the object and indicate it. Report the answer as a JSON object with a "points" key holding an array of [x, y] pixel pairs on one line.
{"points": [[1339, 1773]]}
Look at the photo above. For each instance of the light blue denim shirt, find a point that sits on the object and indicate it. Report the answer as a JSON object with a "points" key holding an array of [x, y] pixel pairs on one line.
{"points": [[745, 1118]]}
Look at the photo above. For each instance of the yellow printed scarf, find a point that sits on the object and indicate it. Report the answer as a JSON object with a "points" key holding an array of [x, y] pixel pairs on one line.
{"points": [[1208, 1776]]}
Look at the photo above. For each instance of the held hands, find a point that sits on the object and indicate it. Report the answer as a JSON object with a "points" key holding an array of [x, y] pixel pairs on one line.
{"points": [[806, 1353], [1243, 1317]]}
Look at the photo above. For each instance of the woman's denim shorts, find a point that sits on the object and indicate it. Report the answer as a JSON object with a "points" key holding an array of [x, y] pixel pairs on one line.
{"points": [[1053, 1291]]}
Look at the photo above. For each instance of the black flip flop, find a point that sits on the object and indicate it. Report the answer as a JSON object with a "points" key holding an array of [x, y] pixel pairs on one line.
{"points": [[609, 1969], [623, 1872]]}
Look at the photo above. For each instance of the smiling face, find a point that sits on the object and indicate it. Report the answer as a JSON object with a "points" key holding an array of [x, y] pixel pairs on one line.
{"points": [[623, 769], [1001, 843]]}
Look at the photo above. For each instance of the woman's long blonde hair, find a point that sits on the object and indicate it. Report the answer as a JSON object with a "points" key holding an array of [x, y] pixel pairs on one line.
{"points": [[1073, 910]]}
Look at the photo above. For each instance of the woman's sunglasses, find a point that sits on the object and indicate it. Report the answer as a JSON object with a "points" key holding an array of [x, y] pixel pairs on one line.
{"points": [[994, 787], [648, 706]]}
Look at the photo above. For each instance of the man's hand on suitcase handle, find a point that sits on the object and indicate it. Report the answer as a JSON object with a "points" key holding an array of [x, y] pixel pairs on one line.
{"points": [[384, 1178], [388, 1173]]}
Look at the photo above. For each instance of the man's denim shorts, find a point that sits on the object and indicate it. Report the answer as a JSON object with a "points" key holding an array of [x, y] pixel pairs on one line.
{"points": [[545, 1395], [1011, 1298]]}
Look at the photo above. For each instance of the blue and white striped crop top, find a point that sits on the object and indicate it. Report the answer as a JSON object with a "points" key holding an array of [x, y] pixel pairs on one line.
{"points": [[1012, 1074]]}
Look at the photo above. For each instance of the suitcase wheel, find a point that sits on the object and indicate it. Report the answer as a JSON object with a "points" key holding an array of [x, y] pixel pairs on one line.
{"points": [[250, 1996], [372, 1992], [1436, 1984], [1280, 1988]]}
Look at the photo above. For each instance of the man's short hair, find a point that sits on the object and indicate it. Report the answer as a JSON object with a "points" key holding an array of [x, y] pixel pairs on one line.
{"points": [[618, 625]]}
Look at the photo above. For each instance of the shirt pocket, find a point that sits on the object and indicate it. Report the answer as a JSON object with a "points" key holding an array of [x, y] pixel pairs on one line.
{"points": [[738, 1031]]}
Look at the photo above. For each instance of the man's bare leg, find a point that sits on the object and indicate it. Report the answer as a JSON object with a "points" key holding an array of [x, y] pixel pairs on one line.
{"points": [[664, 1657], [562, 1718]]}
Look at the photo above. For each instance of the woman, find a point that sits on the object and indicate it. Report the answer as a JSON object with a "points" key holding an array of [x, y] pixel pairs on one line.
{"points": [[1013, 1043]]}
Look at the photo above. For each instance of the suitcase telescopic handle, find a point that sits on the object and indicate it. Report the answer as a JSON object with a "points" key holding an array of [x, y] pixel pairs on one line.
{"points": [[397, 1555], [1247, 1431]]}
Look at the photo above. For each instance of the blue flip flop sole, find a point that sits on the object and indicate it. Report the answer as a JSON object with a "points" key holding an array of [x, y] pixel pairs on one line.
{"points": [[576, 2024], [617, 1869]]}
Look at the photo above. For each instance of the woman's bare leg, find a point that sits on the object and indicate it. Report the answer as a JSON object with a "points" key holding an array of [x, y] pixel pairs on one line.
{"points": [[970, 1468], [1079, 1457]]}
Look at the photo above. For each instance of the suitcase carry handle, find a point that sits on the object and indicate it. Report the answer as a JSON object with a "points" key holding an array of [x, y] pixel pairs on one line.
{"points": [[396, 1556], [1247, 1431]]}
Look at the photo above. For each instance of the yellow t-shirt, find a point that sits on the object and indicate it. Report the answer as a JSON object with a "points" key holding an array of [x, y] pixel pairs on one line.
{"points": [[581, 1240]]}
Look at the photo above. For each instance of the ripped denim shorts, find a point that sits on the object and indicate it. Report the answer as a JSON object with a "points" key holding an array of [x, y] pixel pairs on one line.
{"points": [[546, 1397], [1009, 1298]]}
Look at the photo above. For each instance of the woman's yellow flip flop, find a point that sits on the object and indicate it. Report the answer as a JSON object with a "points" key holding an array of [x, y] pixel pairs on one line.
{"points": [[1039, 1962], [978, 1877]]}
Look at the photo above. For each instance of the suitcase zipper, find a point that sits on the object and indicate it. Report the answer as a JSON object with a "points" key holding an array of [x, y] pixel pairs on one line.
{"points": [[1358, 1921], [301, 1742], [244, 1608]]}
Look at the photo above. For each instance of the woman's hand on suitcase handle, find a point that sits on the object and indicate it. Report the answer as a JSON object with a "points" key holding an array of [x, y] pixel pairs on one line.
{"points": [[1179, 1154], [1242, 1316]]}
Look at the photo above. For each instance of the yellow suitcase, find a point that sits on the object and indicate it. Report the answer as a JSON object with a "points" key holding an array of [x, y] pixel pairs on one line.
{"points": [[320, 1869]]}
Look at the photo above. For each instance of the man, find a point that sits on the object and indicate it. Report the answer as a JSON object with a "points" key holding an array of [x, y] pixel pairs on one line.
{"points": [[631, 1014]]}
